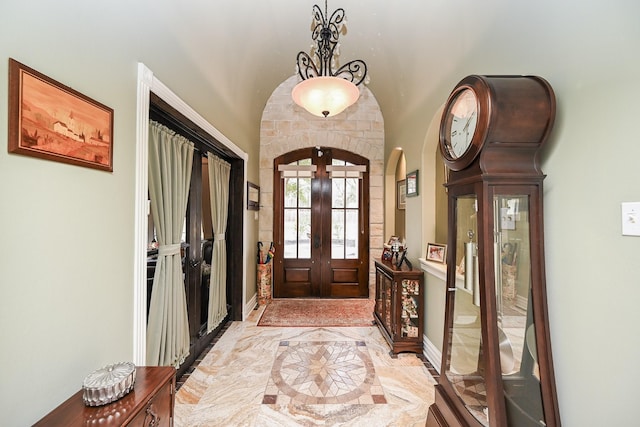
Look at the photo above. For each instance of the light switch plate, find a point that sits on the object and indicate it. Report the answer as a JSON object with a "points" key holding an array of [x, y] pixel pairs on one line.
{"points": [[631, 218]]}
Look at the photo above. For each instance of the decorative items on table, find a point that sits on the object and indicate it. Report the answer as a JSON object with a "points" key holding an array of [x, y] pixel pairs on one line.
{"points": [[395, 251], [108, 384]]}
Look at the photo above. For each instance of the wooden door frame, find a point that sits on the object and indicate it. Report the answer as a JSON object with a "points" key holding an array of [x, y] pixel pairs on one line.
{"points": [[322, 270], [237, 249]]}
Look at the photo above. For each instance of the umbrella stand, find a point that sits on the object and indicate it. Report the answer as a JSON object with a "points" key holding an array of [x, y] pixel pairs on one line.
{"points": [[264, 274]]}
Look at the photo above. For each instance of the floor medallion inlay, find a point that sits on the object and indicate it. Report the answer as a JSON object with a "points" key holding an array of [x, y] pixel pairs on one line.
{"points": [[323, 372]]}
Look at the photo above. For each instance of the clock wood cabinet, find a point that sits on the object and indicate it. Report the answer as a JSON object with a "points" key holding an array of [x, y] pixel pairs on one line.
{"points": [[399, 306], [150, 403], [497, 367]]}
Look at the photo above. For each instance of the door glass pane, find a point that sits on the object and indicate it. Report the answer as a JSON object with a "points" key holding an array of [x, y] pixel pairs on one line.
{"points": [[465, 367], [351, 234], [304, 192], [297, 215], [352, 192], [337, 193], [290, 233], [337, 234], [518, 355], [304, 233], [345, 219], [290, 192]]}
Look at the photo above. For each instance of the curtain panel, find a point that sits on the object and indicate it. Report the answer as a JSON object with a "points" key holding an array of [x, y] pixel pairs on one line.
{"points": [[219, 172], [170, 164]]}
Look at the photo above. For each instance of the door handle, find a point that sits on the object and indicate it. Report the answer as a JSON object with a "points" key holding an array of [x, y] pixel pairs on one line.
{"points": [[316, 241]]}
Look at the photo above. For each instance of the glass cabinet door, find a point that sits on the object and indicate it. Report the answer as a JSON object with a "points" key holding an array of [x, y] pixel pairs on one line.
{"points": [[410, 314], [465, 368], [516, 332]]}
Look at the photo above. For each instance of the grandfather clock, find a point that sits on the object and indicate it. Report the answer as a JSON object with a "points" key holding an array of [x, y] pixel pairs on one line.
{"points": [[497, 368]]}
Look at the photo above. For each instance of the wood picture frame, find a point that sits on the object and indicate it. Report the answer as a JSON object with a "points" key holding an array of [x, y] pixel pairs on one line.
{"points": [[51, 121], [401, 194], [253, 197], [387, 254], [436, 252], [412, 184]]}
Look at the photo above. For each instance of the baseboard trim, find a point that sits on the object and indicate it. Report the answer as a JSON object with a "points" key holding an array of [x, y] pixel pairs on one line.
{"points": [[248, 307], [431, 352]]}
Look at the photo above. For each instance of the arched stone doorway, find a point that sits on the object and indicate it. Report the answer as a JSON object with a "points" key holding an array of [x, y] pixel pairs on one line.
{"points": [[286, 127]]}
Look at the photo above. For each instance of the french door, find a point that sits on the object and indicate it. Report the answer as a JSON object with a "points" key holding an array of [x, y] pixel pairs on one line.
{"points": [[321, 224]]}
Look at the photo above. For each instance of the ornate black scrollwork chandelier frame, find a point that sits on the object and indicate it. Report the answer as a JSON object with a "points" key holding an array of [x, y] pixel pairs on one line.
{"points": [[326, 34]]}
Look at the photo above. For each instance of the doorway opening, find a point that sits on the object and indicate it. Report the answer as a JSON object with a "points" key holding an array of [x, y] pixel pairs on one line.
{"points": [[197, 232], [321, 224]]}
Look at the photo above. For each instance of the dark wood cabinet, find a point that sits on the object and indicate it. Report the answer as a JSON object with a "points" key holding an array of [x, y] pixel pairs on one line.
{"points": [[150, 403], [399, 306]]}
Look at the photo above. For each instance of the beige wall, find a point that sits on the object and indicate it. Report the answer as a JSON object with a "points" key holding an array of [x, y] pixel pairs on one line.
{"points": [[67, 232], [400, 224]]}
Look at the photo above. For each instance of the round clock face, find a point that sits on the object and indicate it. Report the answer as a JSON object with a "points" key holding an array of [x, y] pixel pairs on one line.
{"points": [[461, 119]]}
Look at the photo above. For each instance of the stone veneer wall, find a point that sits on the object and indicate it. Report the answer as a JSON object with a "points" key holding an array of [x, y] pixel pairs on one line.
{"points": [[359, 129]]}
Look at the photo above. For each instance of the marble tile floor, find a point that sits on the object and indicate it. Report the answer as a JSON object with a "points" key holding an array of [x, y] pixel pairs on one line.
{"points": [[268, 376]]}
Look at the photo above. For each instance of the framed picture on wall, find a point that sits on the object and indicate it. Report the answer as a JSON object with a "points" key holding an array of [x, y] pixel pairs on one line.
{"points": [[253, 197], [51, 121], [401, 194], [436, 252], [412, 184]]}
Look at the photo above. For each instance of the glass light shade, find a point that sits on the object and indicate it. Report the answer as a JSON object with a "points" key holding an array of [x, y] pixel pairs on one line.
{"points": [[325, 96]]}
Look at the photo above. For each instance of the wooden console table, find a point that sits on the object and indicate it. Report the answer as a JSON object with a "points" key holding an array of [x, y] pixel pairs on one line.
{"points": [[149, 404]]}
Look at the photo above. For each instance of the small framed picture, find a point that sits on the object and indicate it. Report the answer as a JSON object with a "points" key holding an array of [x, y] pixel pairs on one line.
{"points": [[401, 194], [412, 184], [436, 252], [253, 197], [387, 254], [51, 121]]}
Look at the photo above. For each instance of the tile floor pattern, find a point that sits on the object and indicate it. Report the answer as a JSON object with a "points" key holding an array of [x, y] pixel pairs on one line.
{"points": [[320, 372], [268, 376]]}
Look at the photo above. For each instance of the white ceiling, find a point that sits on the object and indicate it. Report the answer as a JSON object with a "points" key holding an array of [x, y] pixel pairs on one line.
{"points": [[246, 48], [415, 50]]}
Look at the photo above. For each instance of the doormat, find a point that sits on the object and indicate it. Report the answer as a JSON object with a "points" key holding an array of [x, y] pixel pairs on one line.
{"points": [[296, 312]]}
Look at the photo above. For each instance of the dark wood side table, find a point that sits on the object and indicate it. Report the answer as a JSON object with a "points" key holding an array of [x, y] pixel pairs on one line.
{"points": [[398, 310], [149, 404]]}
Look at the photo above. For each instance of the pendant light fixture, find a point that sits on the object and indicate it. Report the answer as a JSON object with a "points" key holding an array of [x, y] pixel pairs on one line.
{"points": [[326, 91]]}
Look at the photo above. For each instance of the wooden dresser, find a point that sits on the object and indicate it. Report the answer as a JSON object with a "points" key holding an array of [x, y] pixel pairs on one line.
{"points": [[149, 404]]}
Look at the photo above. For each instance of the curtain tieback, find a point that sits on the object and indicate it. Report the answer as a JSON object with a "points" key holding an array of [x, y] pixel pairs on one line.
{"points": [[166, 250], [219, 236]]}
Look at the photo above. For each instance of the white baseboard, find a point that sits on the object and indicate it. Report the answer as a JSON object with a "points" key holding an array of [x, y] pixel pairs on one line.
{"points": [[248, 308], [431, 352]]}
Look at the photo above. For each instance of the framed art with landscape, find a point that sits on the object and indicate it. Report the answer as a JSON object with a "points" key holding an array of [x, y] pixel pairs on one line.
{"points": [[52, 121]]}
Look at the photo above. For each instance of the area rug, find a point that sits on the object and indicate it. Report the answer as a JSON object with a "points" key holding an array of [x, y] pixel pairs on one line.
{"points": [[317, 312]]}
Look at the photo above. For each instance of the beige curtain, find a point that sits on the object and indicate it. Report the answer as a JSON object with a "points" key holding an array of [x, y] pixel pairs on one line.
{"points": [[219, 172], [170, 162]]}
